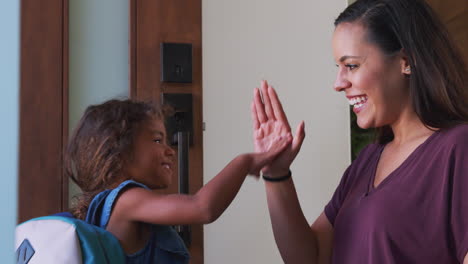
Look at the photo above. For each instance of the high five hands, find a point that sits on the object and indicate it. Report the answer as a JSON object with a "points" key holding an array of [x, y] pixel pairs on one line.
{"points": [[269, 123]]}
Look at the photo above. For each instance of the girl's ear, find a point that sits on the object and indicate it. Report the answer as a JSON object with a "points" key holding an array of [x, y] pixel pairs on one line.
{"points": [[404, 63]]}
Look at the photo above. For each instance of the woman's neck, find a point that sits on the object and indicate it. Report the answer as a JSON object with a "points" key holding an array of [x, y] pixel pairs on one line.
{"points": [[409, 128]]}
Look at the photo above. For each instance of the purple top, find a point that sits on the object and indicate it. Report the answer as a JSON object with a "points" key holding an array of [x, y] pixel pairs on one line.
{"points": [[418, 214]]}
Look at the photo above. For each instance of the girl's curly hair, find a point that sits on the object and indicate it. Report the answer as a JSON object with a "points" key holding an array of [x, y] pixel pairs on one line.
{"points": [[100, 145]]}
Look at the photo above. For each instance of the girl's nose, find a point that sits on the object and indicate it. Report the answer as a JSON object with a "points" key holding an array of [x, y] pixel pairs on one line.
{"points": [[170, 151]]}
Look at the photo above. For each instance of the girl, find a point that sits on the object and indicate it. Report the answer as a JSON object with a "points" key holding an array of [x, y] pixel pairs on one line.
{"points": [[118, 154]]}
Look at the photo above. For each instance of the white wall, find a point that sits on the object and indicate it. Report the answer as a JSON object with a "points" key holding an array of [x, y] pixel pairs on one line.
{"points": [[98, 55], [9, 72], [289, 44]]}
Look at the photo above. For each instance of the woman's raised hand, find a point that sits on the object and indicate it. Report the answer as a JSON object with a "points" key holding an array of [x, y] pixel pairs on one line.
{"points": [[269, 123]]}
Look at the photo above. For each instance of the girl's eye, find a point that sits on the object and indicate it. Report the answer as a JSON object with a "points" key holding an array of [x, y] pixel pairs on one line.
{"points": [[159, 141], [351, 66]]}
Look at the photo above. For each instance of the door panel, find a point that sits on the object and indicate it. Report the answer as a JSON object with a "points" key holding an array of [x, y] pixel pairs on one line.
{"points": [[43, 107], [153, 22]]}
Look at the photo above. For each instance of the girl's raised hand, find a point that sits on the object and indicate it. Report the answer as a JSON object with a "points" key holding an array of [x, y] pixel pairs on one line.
{"points": [[269, 123], [272, 149]]}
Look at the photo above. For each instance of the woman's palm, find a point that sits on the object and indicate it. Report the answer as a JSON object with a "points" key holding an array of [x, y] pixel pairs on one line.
{"points": [[270, 123]]}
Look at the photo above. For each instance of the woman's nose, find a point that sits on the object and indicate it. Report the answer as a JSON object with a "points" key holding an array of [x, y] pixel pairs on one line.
{"points": [[341, 82]]}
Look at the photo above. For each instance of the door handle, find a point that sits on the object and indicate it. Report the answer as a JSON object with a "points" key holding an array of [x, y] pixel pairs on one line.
{"points": [[179, 128], [181, 120], [183, 138]]}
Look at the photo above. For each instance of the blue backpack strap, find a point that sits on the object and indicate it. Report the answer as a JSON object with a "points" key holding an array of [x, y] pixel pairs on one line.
{"points": [[101, 206]]}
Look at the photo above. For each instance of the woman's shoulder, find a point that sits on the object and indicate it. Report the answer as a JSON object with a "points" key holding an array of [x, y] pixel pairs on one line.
{"points": [[368, 151], [368, 156], [457, 135], [461, 129]]}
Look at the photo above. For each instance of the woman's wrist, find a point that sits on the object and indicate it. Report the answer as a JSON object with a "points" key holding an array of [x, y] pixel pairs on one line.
{"points": [[277, 177]]}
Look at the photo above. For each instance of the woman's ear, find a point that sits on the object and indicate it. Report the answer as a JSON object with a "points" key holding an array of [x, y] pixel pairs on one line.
{"points": [[404, 63]]}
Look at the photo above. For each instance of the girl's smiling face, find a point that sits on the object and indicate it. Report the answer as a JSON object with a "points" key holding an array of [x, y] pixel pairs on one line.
{"points": [[375, 84], [152, 161]]}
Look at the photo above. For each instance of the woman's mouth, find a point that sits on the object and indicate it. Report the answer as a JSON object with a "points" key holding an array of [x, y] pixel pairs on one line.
{"points": [[358, 102]]}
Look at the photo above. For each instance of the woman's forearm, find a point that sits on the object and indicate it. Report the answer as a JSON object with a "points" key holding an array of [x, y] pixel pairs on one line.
{"points": [[294, 237]]}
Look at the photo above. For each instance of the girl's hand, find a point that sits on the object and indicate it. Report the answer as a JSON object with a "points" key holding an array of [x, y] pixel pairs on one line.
{"points": [[269, 123], [272, 149]]}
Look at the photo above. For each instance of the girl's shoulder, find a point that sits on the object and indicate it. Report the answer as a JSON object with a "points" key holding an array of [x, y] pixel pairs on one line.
{"points": [[129, 193], [130, 183], [104, 203]]}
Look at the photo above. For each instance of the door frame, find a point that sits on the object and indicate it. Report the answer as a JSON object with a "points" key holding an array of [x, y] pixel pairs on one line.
{"points": [[42, 187]]}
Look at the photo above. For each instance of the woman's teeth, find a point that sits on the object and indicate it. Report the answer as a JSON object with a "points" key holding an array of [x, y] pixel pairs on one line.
{"points": [[358, 101]]}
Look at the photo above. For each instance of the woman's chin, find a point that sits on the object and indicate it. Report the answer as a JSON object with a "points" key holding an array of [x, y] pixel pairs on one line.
{"points": [[363, 124]]}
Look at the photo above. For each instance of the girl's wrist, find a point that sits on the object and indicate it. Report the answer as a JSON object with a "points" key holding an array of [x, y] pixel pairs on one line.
{"points": [[248, 161], [277, 173]]}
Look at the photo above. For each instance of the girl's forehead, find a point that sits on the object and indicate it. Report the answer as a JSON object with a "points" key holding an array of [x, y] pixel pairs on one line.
{"points": [[155, 124]]}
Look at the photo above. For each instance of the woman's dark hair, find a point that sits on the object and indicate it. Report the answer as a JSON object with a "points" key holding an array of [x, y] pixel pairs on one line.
{"points": [[438, 74], [100, 145]]}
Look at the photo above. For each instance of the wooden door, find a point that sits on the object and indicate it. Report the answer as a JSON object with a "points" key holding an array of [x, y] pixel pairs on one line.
{"points": [[454, 14], [153, 22], [43, 107]]}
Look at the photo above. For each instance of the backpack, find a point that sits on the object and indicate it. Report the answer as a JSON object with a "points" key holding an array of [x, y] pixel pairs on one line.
{"points": [[61, 239]]}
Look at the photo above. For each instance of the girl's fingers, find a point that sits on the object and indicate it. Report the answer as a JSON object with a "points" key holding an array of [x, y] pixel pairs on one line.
{"points": [[255, 173], [266, 100], [261, 116], [278, 108]]}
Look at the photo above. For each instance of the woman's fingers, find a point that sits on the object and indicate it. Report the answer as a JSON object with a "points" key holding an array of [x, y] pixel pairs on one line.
{"points": [[259, 107], [278, 108], [253, 111], [266, 101]]}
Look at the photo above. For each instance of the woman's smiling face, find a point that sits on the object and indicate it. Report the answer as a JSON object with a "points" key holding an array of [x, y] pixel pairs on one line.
{"points": [[374, 83]]}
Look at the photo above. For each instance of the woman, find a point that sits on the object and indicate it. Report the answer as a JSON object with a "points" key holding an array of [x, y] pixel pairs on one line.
{"points": [[403, 200]]}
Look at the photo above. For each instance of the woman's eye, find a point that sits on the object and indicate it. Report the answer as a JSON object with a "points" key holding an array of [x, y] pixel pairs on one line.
{"points": [[158, 140], [351, 66]]}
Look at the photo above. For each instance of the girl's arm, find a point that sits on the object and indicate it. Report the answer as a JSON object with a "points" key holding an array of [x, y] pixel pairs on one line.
{"points": [[138, 204]]}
